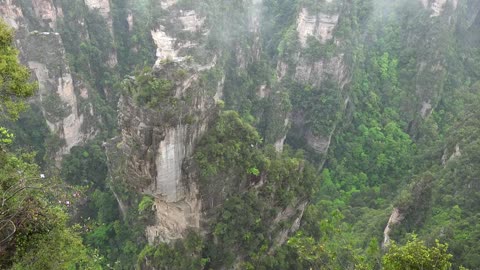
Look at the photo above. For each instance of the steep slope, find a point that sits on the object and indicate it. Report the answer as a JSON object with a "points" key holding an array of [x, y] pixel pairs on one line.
{"points": [[202, 111], [63, 99]]}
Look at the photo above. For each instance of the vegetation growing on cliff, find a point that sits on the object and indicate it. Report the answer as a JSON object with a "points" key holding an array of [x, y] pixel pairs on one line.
{"points": [[149, 90], [14, 84], [33, 224], [398, 110], [243, 229]]}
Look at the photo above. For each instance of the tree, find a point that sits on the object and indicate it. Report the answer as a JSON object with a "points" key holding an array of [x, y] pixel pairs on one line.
{"points": [[14, 173], [308, 250], [416, 256], [33, 230], [14, 85]]}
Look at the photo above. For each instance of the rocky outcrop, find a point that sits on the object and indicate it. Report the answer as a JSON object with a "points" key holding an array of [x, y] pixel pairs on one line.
{"points": [[177, 44], [164, 45], [395, 218], [47, 12], [320, 26], [437, 7], [167, 3], [104, 9], [12, 14], [294, 213], [314, 73], [191, 21], [451, 155], [317, 26], [102, 6], [432, 66], [279, 143], [56, 90], [157, 143], [319, 144], [59, 93]]}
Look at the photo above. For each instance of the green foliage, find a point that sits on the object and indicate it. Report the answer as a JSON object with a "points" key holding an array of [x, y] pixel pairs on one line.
{"points": [[149, 90], [90, 57], [243, 222], [321, 106], [415, 255], [6, 138], [315, 50], [31, 132], [289, 43], [278, 18], [144, 15], [186, 254], [33, 234], [231, 143], [145, 204], [210, 78], [85, 165], [103, 207], [231, 151], [55, 108], [308, 249], [253, 171], [57, 248], [34, 228], [14, 84], [118, 241], [276, 109]]}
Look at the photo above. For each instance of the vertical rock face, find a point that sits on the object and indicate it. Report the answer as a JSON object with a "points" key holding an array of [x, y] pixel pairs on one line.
{"points": [[191, 21], [57, 96], [164, 45], [46, 12], [44, 54], [280, 142], [170, 155], [317, 27], [11, 13], [437, 7], [314, 73], [395, 218], [320, 26], [103, 7], [432, 68], [157, 143], [169, 44], [167, 3]]}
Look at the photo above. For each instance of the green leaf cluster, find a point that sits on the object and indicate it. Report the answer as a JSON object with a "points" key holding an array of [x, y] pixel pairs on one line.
{"points": [[415, 255], [14, 78]]}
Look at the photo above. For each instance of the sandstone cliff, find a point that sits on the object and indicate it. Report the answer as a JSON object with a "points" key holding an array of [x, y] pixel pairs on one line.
{"points": [[60, 92]]}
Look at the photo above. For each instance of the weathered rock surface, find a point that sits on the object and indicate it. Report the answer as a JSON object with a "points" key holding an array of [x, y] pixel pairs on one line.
{"points": [[55, 79], [395, 218], [319, 25], [314, 72], [157, 144], [11, 13], [44, 53], [437, 7]]}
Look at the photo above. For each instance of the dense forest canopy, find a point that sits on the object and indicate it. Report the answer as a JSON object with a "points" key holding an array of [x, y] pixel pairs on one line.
{"points": [[259, 134]]}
